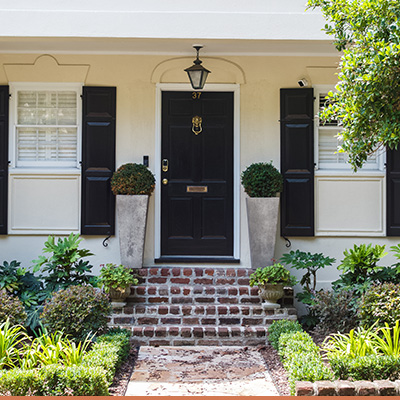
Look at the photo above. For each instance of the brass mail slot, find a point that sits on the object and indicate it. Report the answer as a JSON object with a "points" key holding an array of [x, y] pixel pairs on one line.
{"points": [[196, 189]]}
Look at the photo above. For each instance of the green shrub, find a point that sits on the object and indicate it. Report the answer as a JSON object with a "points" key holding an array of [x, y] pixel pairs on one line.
{"points": [[119, 337], [301, 359], [334, 311], [11, 339], [381, 303], [12, 308], [132, 179], [278, 327], [77, 311], [54, 380], [262, 180], [369, 368]]}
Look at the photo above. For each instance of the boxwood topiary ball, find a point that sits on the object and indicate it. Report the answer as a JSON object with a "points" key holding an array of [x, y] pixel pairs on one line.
{"points": [[262, 180], [132, 179]]}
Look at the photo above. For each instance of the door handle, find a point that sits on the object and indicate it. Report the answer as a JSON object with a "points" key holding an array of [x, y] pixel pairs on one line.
{"points": [[164, 165], [165, 181]]}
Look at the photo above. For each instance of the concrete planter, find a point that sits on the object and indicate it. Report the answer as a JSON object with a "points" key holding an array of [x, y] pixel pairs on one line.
{"points": [[262, 218], [132, 217], [118, 297]]}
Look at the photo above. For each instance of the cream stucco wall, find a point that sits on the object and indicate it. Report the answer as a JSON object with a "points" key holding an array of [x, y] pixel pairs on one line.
{"points": [[135, 77]]}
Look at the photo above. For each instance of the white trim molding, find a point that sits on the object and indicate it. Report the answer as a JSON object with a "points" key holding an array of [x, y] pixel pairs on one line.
{"points": [[235, 88]]}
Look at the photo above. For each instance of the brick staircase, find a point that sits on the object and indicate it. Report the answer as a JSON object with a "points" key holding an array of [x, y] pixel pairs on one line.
{"points": [[198, 306]]}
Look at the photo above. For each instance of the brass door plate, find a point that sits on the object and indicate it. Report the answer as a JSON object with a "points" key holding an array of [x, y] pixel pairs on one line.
{"points": [[196, 189]]}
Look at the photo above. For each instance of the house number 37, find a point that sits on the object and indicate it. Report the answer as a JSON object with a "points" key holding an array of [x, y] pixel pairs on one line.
{"points": [[196, 95]]}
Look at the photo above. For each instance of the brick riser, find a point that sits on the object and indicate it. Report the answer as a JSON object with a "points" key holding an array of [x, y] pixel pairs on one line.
{"points": [[198, 306]]}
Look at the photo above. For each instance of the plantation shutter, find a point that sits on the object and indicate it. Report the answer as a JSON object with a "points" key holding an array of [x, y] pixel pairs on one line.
{"points": [[4, 99], [98, 160], [393, 192], [297, 162]]}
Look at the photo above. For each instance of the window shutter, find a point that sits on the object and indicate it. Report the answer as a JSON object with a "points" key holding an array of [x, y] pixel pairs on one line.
{"points": [[297, 162], [98, 160], [4, 99], [393, 192]]}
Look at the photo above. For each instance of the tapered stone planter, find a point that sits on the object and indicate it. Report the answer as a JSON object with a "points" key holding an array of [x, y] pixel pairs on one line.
{"points": [[262, 218], [132, 217]]}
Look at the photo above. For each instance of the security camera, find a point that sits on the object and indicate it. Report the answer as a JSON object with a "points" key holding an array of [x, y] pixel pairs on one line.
{"points": [[303, 82]]}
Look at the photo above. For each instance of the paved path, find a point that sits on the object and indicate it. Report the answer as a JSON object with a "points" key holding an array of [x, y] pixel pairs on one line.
{"points": [[200, 371]]}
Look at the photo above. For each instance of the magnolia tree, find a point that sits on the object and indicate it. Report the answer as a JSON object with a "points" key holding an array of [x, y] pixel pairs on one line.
{"points": [[367, 98]]}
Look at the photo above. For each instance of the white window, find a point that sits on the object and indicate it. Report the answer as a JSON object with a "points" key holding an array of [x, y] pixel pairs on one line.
{"points": [[45, 125], [326, 141], [44, 173]]}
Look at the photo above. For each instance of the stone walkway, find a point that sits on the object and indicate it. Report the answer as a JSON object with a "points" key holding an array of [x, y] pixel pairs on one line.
{"points": [[200, 371]]}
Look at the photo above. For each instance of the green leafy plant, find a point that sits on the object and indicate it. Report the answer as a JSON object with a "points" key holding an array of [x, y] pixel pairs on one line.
{"points": [[76, 311], [334, 311], [117, 277], [380, 304], [64, 267], [359, 268], [358, 342], [132, 179], [272, 274], [262, 180], [11, 308], [389, 343], [11, 338], [280, 327], [311, 263]]}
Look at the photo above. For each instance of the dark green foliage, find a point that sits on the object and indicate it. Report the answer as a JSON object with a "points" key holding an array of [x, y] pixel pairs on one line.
{"points": [[381, 302], [311, 263], [367, 98], [54, 380], [335, 311], [277, 328], [369, 368], [276, 273], [132, 179], [77, 311], [11, 307], [301, 359], [360, 270], [65, 266], [262, 180]]}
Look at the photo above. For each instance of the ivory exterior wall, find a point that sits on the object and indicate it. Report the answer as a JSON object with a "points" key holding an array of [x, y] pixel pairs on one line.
{"points": [[352, 205]]}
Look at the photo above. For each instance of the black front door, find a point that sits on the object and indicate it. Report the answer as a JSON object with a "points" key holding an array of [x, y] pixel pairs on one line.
{"points": [[197, 174]]}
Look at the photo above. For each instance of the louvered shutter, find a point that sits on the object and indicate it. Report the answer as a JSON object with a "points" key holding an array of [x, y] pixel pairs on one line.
{"points": [[393, 192], [297, 162], [98, 160], [4, 99]]}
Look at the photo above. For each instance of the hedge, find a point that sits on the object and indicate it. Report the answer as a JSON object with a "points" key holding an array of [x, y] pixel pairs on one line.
{"points": [[91, 378]]}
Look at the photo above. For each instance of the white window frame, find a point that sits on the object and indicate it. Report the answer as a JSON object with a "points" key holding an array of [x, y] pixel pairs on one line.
{"points": [[42, 86], [338, 167]]}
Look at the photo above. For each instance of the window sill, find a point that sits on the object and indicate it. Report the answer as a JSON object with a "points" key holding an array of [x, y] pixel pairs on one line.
{"points": [[349, 173], [44, 171]]}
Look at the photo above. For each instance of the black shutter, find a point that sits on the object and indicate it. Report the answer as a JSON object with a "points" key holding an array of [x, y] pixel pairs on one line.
{"points": [[297, 162], [393, 192], [4, 100], [98, 160]]}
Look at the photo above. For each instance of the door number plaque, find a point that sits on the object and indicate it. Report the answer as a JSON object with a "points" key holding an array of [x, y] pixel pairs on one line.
{"points": [[196, 189]]}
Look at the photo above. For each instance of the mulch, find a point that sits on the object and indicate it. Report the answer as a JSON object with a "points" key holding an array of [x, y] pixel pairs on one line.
{"points": [[123, 375]]}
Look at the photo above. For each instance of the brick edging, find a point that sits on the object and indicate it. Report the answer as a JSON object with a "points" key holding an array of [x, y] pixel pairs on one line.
{"points": [[348, 388]]}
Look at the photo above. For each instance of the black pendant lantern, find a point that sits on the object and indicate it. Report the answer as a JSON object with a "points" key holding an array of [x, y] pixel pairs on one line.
{"points": [[197, 73]]}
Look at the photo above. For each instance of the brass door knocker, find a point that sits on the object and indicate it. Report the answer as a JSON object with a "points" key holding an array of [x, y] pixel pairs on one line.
{"points": [[196, 127]]}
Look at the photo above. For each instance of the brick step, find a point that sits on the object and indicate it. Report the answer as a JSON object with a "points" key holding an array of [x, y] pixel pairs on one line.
{"points": [[172, 335]]}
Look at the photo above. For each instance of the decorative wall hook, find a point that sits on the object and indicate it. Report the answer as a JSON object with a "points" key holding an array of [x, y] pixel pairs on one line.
{"points": [[196, 127]]}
